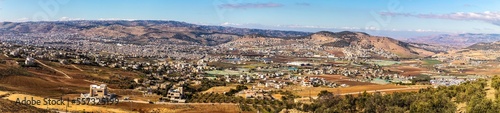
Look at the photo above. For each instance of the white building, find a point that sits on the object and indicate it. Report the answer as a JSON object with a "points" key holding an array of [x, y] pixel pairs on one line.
{"points": [[98, 91], [29, 61]]}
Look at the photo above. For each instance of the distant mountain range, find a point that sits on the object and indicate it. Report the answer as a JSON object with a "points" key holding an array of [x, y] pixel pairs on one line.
{"points": [[144, 31], [456, 40], [486, 46]]}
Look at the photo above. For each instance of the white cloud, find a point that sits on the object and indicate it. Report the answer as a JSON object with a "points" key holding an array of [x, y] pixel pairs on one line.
{"points": [[326, 28], [116, 19], [229, 24], [372, 28], [250, 5], [69, 19], [350, 28], [423, 30], [22, 19]]}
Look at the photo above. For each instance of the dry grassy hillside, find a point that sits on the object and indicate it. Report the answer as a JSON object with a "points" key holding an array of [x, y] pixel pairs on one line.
{"points": [[7, 106], [344, 39]]}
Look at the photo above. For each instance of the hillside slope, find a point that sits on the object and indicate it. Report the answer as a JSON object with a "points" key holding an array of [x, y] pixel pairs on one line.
{"points": [[486, 46], [363, 40], [456, 40]]}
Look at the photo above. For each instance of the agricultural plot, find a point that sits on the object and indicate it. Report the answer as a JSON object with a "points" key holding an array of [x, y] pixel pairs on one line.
{"points": [[384, 62], [220, 89], [431, 62], [223, 72]]}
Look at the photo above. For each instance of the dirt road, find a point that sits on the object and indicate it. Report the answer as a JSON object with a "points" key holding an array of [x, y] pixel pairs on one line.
{"points": [[43, 64]]}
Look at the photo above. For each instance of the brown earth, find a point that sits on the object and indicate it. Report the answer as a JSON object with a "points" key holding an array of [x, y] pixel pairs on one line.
{"points": [[7, 106], [342, 80]]}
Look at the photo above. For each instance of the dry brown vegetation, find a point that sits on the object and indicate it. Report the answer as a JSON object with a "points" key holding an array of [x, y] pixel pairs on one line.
{"points": [[11, 107], [494, 70], [220, 89], [178, 108], [408, 70], [79, 108], [46, 82]]}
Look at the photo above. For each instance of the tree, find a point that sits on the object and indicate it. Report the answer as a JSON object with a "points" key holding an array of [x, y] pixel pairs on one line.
{"points": [[324, 94], [348, 104], [421, 107], [481, 105]]}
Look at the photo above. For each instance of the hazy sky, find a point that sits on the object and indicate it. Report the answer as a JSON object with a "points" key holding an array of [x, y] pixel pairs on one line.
{"points": [[379, 16]]}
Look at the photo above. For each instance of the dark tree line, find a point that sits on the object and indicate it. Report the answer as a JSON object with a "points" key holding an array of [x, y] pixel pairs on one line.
{"points": [[246, 104], [206, 84], [430, 100], [238, 89]]}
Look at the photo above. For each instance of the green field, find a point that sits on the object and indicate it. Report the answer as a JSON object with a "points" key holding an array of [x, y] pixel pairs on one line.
{"points": [[254, 65], [431, 62], [224, 72]]}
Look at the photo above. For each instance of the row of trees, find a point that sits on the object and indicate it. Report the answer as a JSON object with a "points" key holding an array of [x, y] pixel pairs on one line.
{"points": [[481, 104], [430, 100], [245, 104]]}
